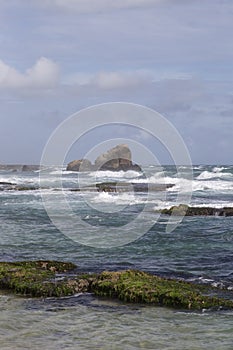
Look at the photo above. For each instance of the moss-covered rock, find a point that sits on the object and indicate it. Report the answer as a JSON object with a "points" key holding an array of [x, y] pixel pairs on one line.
{"points": [[35, 278], [185, 210], [141, 287], [52, 279]]}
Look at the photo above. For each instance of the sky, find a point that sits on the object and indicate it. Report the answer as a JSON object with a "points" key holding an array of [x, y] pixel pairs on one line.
{"points": [[60, 56]]}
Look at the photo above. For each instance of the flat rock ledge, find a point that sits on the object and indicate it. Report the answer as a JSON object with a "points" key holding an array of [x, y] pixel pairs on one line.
{"points": [[120, 187], [185, 210], [59, 279]]}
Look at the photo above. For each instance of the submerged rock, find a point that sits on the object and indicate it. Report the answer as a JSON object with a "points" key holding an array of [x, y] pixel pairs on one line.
{"points": [[185, 210], [39, 279]]}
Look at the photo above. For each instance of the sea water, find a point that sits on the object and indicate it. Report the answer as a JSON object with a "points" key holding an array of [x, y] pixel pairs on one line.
{"points": [[200, 249]]}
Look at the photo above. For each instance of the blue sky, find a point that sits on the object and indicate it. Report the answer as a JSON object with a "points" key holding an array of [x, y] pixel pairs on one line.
{"points": [[58, 56]]}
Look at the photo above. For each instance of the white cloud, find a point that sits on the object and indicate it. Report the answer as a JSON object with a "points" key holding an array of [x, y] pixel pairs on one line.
{"points": [[44, 74]]}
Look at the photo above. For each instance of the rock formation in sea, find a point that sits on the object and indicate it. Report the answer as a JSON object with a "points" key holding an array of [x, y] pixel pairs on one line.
{"points": [[80, 165], [19, 167], [116, 159], [39, 279], [28, 167], [185, 210]]}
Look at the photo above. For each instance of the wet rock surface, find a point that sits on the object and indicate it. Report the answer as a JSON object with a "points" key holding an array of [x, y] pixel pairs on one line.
{"points": [[185, 210], [46, 278]]}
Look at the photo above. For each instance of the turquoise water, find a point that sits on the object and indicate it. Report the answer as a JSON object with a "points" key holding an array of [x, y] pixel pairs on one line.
{"points": [[200, 249]]}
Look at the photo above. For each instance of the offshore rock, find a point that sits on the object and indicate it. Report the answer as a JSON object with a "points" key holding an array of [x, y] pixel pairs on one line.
{"points": [[80, 165], [185, 210], [19, 167], [116, 159], [28, 167]]}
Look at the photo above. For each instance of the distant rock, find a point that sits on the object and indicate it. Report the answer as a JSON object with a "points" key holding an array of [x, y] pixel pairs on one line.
{"points": [[119, 155], [116, 159], [185, 210], [28, 167], [19, 167], [79, 165]]}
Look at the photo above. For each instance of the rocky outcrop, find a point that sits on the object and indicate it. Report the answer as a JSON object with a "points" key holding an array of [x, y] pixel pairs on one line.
{"points": [[116, 159], [38, 279], [80, 165], [185, 210]]}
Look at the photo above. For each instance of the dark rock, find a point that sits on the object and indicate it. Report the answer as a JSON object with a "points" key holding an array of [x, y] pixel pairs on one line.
{"points": [[185, 210], [5, 183], [80, 165], [25, 188]]}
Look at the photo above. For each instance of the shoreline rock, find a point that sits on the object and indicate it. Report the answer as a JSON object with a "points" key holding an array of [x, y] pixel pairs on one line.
{"points": [[185, 210], [39, 279]]}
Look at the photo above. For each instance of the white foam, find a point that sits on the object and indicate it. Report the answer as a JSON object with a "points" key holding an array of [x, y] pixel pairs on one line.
{"points": [[212, 185], [119, 199], [205, 175], [218, 169], [130, 174], [217, 205]]}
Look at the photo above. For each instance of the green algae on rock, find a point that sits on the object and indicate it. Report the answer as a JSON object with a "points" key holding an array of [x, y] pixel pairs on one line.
{"points": [[35, 278], [185, 210], [141, 287], [53, 279]]}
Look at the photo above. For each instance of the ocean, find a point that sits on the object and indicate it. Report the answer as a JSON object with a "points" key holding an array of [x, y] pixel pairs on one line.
{"points": [[114, 231]]}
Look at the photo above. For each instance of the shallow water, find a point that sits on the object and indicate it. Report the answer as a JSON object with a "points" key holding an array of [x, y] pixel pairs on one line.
{"points": [[200, 249], [98, 324]]}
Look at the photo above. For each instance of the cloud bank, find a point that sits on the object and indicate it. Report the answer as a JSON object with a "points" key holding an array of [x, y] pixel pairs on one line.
{"points": [[44, 74]]}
